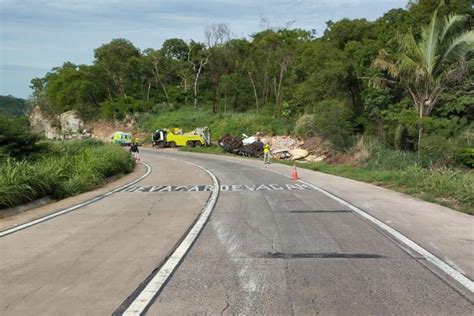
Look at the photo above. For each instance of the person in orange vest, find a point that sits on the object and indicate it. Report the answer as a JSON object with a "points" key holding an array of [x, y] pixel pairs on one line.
{"points": [[266, 153]]}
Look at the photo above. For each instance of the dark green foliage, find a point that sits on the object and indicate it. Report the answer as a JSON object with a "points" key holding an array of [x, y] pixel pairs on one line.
{"points": [[306, 126], [334, 120], [119, 108], [17, 140], [466, 157], [12, 106]]}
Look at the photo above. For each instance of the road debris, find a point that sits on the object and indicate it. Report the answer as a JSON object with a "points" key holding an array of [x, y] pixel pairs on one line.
{"points": [[282, 147], [236, 146]]}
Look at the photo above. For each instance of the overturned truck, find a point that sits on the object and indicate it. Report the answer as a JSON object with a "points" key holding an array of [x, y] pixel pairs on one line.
{"points": [[235, 146]]}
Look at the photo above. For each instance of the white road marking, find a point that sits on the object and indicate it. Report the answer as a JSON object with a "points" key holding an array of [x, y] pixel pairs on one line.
{"points": [[446, 268], [224, 188], [72, 208], [141, 302]]}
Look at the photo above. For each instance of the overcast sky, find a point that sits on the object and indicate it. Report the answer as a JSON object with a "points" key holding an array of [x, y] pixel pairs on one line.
{"points": [[37, 35]]}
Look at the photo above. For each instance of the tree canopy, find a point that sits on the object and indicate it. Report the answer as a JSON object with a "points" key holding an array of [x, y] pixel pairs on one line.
{"points": [[289, 72]]}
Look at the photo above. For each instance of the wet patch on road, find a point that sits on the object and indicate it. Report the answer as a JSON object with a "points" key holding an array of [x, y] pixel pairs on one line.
{"points": [[223, 188]]}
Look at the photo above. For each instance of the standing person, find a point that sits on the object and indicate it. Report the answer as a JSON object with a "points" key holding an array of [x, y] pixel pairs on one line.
{"points": [[134, 151], [266, 153]]}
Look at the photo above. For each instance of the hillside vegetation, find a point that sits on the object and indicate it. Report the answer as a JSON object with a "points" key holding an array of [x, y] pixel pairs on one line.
{"points": [[12, 106], [31, 168], [404, 78], [220, 124]]}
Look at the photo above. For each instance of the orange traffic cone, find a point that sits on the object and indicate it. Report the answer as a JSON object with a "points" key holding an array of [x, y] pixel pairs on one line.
{"points": [[294, 173]]}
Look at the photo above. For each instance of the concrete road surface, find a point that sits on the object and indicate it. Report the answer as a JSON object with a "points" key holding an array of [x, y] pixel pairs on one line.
{"points": [[270, 247]]}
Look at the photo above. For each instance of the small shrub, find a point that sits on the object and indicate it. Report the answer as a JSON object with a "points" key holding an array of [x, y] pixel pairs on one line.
{"points": [[438, 149], [306, 126], [382, 157], [466, 157]]}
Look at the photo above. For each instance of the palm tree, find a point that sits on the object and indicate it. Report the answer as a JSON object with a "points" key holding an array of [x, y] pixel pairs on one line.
{"points": [[426, 67]]}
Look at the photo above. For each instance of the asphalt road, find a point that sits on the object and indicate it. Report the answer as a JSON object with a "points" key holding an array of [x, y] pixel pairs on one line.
{"points": [[270, 247]]}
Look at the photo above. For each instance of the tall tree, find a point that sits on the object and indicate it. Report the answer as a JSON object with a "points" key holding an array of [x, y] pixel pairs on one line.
{"points": [[198, 57], [177, 51], [114, 59], [158, 66], [217, 35], [425, 68]]}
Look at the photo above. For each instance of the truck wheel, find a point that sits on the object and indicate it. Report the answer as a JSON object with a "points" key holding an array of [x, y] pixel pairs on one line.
{"points": [[197, 144], [190, 143], [161, 144], [172, 144]]}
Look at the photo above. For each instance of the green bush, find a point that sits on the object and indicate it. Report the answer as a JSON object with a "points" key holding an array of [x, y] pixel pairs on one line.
{"points": [[306, 126], [466, 157], [334, 120], [382, 157], [16, 139], [439, 150]]}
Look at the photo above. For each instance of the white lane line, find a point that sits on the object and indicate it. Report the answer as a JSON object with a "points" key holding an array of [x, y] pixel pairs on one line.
{"points": [[141, 302], [72, 208], [446, 268]]}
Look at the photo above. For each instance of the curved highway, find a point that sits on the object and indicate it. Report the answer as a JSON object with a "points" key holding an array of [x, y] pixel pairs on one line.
{"points": [[264, 245]]}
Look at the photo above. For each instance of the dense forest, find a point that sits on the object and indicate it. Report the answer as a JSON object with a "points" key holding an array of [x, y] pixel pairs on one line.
{"points": [[404, 78], [11, 106]]}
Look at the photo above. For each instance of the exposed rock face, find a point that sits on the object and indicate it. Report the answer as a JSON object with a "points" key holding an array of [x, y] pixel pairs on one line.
{"points": [[71, 123], [43, 124], [68, 125]]}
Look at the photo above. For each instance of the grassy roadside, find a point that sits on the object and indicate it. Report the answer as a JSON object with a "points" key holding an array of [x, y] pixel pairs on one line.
{"points": [[66, 169], [448, 187], [219, 124]]}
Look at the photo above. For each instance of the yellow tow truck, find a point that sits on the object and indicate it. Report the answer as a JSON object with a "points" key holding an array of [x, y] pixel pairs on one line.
{"points": [[174, 137]]}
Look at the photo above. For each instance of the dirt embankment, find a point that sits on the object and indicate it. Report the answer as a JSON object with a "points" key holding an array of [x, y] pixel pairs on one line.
{"points": [[104, 130]]}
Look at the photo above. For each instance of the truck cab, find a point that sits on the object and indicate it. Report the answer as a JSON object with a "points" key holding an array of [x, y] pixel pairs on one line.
{"points": [[159, 138]]}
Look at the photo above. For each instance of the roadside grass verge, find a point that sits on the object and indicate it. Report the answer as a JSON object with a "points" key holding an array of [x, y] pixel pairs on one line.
{"points": [[219, 124], [68, 169], [452, 188], [447, 187]]}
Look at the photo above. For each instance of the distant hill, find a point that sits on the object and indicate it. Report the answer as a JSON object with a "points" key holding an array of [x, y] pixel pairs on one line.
{"points": [[12, 106]]}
